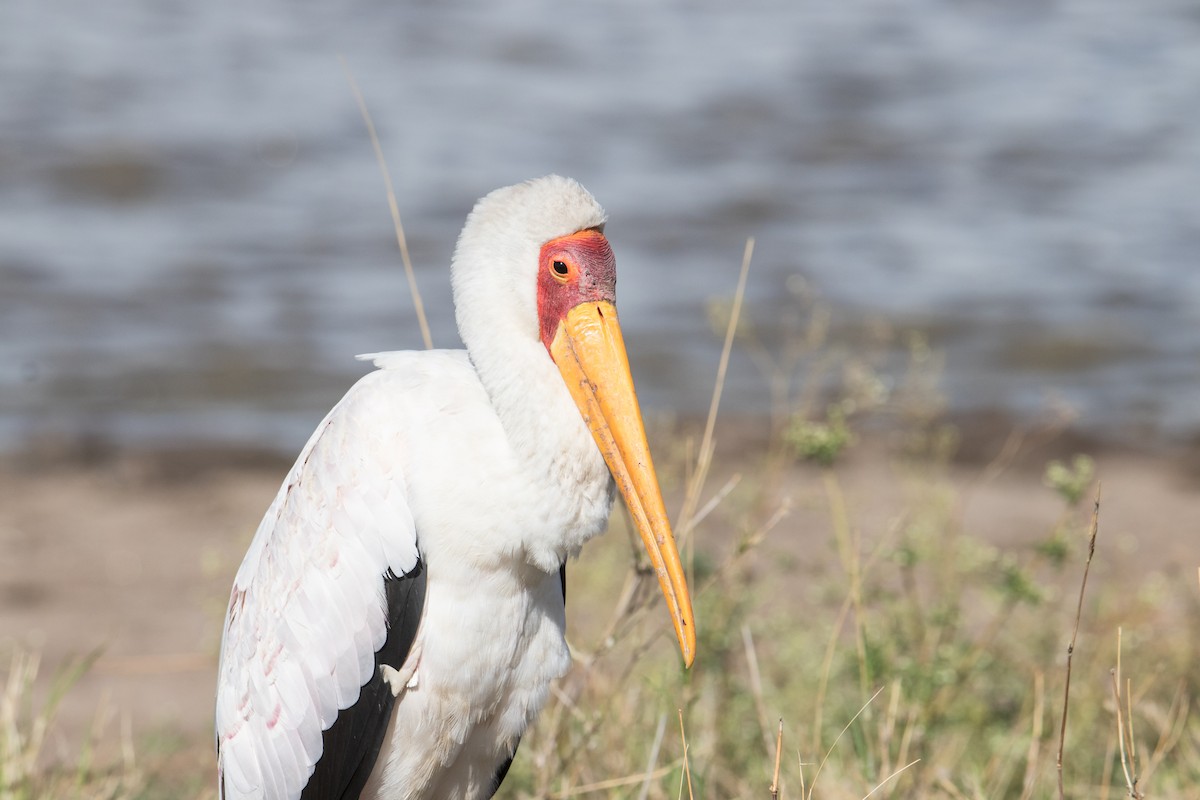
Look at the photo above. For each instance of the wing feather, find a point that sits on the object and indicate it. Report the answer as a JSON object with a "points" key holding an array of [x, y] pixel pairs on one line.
{"points": [[308, 609], [352, 744]]}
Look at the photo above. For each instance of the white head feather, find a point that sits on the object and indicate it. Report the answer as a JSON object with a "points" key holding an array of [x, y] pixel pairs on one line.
{"points": [[494, 272], [494, 279]]}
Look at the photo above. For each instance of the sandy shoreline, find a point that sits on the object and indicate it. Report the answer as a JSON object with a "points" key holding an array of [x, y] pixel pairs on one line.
{"points": [[134, 552]]}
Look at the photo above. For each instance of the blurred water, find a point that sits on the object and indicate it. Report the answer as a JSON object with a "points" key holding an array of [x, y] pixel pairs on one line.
{"points": [[194, 238]]}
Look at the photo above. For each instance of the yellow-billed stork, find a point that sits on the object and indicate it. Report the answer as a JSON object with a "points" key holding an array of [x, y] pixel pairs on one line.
{"points": [[399, 616]]}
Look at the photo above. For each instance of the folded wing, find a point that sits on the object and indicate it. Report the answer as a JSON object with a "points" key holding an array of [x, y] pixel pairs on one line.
{"points": [[331, 588]]}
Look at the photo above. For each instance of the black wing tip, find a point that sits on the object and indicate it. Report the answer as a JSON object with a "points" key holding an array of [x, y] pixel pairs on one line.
{"points": [[351, 745], [502, 770]]}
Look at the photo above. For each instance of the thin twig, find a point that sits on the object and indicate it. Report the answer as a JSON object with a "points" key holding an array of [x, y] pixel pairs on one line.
{"points": [[401, 239], [1130, 782], [687, 771], [1062, 731], [1133, 758], [712, 504], [778, 753], [1125, 728]]}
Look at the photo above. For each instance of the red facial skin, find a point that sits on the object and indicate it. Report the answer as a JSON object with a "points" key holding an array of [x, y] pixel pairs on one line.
{"points": [[591, 275]]}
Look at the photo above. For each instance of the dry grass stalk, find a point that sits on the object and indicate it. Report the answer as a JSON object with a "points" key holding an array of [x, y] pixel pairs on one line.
{"points": [[1125, 738], [684, 522], [616, 783], [26, 724], [1172, 727], [853, 564], [19, 749], [715, 500], [849, 543], [887, 729], [889, 777], [1035, 738], [778, 753], [829, 752], [401, 239], [827, 671], [687, 770], [756, 688], [1062, 731]]}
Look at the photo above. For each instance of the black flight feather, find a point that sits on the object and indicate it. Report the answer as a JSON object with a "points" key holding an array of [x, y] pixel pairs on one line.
{"points": [[351, 745]]}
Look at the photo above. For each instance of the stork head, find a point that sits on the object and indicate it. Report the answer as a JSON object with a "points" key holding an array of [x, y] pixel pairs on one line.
{"points": [[550, 283]]}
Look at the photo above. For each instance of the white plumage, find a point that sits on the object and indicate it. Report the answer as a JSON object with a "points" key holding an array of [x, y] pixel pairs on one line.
{"points": [[473, 471]]}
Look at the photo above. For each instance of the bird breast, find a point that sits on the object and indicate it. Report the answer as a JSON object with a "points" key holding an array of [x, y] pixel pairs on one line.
{"points": [[487, 495], [475, 692]]}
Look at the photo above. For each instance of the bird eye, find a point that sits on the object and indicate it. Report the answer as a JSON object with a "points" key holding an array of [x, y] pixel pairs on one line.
{"points": [[560, 268]]}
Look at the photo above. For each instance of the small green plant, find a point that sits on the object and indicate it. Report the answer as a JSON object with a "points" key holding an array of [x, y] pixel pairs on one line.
{"points": [[1070, 482], [820, 441]]}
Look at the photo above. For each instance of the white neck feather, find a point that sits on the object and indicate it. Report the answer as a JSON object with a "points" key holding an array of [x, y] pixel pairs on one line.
{"points": [[494, 278]]}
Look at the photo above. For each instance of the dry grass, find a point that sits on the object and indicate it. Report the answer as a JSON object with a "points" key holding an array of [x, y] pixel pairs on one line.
{"points": [[34, 763], [393, 206]]}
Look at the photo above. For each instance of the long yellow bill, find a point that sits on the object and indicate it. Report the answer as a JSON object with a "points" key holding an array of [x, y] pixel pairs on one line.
{"points": [[590, 353]]}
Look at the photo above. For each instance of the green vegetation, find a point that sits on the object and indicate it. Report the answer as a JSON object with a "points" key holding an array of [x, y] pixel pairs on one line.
{"points": [[917, 661], [906, 656], [820, 442], [28, 771], [1071, 482]]}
